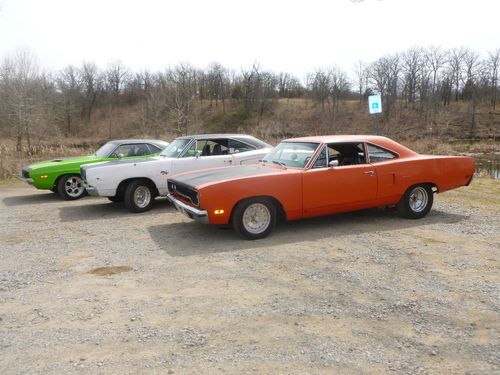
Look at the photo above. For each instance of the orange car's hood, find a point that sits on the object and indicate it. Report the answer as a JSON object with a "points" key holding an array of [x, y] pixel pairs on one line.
{"points": [[215, 175]]}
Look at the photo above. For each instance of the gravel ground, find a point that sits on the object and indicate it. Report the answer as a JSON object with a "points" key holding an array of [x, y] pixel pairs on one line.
{"points": [[86, 287]]}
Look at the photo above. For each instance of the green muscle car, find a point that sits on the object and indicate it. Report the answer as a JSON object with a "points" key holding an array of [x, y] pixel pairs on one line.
{"points": [[62, 176]]}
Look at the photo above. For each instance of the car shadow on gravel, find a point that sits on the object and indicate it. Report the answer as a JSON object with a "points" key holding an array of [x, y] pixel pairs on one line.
{"points": [[105, 209], [192, 238], [42, 197]]}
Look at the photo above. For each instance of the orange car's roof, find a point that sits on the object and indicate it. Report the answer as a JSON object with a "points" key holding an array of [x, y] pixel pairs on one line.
{"points": [[376, 139]]}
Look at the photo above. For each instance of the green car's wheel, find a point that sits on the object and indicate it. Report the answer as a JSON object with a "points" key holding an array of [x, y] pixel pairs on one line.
{"points": [[139, 196], [70, 187]]}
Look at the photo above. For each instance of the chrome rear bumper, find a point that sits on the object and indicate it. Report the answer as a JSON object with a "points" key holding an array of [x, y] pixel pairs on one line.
{"points": [[191, 212]]}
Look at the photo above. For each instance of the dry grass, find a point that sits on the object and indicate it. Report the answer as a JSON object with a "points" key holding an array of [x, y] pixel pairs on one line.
{"points": [[440, 132], [440, 147], [483, 192], [11, 161]]}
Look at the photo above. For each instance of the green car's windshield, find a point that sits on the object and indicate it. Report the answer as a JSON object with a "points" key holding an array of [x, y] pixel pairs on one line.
{"points": [[292, 154], [105, 150], [174, 149]]}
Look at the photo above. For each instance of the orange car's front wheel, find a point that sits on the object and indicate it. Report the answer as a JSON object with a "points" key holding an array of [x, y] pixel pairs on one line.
{"points": [[254, 218]]}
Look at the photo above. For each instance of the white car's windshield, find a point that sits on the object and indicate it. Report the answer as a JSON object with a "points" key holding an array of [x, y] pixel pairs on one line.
{"points": [[174, 149], [105, 150], [292, 154]]}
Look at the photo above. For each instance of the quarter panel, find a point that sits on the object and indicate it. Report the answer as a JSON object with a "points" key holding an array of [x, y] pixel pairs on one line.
{"points": [[285, 187]]}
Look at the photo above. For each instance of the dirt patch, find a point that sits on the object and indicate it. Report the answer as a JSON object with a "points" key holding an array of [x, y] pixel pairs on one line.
{"points": [[108, 271]]}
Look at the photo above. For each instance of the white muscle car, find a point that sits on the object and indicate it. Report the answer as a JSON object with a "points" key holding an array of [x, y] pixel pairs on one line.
{"points": [[139, 181]]}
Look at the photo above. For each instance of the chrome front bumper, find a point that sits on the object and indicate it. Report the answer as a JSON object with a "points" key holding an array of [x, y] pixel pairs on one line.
{"points": [[90, 189], [191, 212], [27, 180]]}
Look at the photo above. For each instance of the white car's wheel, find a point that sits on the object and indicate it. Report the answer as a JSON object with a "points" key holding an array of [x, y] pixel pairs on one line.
{"points": [[139, 196]]}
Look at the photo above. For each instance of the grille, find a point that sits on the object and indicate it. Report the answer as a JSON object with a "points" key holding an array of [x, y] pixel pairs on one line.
{"points": [[184, 190], [25, 173]]}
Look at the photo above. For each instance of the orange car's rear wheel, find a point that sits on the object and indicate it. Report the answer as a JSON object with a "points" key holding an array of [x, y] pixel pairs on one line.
{"points": [[416, 202], [254, 218]]}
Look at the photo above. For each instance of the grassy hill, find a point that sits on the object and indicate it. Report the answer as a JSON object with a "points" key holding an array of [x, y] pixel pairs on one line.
{"points": [[449, 130]]}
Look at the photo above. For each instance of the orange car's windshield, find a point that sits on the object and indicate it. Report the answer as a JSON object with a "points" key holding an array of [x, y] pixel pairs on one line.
{"points": [[292, 154]]}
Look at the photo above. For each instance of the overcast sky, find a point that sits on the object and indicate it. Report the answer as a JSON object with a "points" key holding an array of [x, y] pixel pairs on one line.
{"points": [[293, 36]]}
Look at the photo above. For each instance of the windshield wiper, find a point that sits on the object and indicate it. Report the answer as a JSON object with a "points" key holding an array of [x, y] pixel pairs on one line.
{"points": [[279, 163], [263, 161]]}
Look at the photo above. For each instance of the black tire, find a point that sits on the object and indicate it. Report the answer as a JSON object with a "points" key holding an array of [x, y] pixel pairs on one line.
{"points": [[116, 199], [70, 187], [416, 202], [133, 196], [263, 207]]}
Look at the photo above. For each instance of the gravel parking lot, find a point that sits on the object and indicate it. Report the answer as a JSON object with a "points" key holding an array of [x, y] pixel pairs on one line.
{"points": [[87, 287]]}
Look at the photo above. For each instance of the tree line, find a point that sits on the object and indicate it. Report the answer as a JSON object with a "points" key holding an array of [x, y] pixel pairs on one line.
{"points": [[35, 103]]}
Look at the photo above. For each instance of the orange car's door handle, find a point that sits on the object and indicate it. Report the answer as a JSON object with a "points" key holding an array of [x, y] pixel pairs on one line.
{"points": [[369, 173]]}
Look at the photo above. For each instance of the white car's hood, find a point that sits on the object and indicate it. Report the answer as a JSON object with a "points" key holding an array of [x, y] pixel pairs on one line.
{"points": [[121, 162]]}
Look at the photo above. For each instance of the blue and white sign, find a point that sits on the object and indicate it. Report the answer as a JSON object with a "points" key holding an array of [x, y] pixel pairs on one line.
{"points": [[375, 104]]}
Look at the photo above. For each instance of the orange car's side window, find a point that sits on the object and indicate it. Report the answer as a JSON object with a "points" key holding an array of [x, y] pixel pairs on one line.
{"points": [[346, 153], [378, 154]]}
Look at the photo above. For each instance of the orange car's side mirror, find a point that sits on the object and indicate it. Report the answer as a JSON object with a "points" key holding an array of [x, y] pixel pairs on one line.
{"points": [[333, 164]]}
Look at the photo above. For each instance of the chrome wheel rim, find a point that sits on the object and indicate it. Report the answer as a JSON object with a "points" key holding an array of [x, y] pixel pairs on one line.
{"points": [[142, 196], [418, 199], [74, 186], [256, 218]]}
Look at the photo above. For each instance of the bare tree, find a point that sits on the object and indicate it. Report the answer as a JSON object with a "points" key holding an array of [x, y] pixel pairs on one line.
{"points": [[181, 83], [69, 84], [339, 89], [436, 59], [20, 75], [115, 77], [456, 64], [91, 86], [217, 84], [361, 72], [412, 66], [320, 88], [385, 77], [493, 65]]}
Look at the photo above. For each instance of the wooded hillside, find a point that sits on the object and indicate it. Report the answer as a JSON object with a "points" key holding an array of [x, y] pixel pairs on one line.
{"points": [[426, 92]]}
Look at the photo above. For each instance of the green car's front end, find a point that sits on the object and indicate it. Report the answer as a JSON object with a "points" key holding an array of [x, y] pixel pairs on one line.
{"points": [[62, 176], [44, 175]]}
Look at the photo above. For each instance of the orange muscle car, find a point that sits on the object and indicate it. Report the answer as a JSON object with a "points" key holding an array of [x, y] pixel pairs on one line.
{"points": [[314, 176]]}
